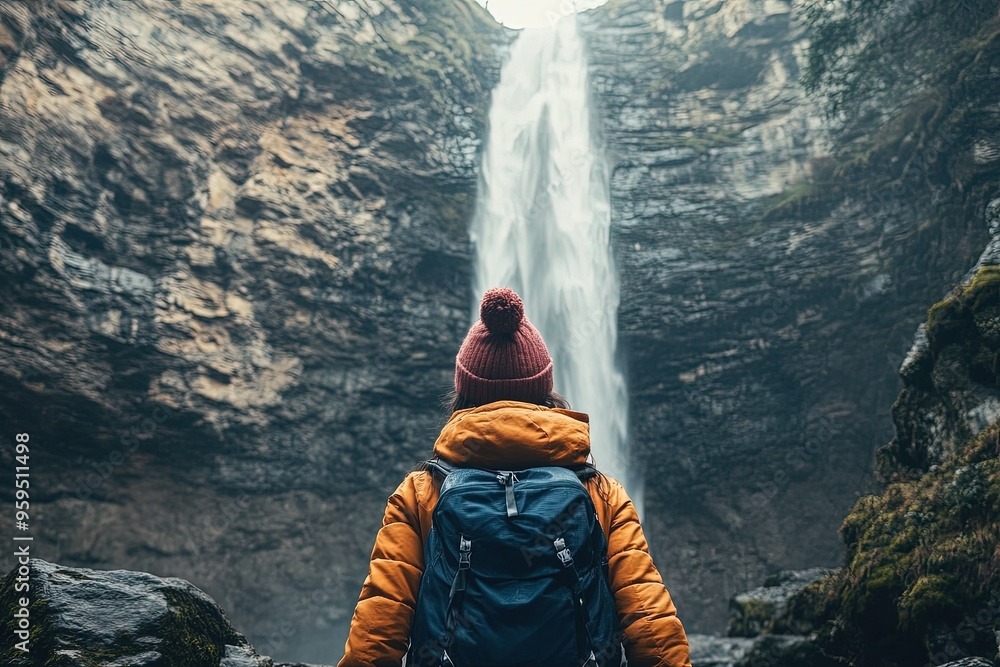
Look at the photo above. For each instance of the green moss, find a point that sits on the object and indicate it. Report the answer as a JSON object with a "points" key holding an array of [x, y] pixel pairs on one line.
{"points": [[941, 312], [858, 520], [41, 638], [920, 557], [983, 291], [194, 633], [970, 319], [931, 599], [751, 617]]}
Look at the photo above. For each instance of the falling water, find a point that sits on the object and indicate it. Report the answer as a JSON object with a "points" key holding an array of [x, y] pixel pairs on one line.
{"points": [[542, 223]]}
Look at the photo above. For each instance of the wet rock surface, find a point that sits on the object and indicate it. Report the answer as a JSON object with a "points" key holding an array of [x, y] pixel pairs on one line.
{"points": [[951, 390], [914, 590], [90, 618], [715, 651]]}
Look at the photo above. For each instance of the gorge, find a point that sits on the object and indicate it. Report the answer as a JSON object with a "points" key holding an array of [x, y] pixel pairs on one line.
{"points": [[237, 258]]}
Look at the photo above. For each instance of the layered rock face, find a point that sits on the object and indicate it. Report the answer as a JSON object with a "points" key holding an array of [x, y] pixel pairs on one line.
{"points": [[767, 302], [234, 273]]}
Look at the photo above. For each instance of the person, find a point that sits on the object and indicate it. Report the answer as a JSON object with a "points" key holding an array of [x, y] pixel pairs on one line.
{"points": [[506, 416]]}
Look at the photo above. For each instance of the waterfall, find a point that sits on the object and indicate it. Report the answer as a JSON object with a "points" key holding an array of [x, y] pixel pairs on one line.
{"points": [[541, 227]]}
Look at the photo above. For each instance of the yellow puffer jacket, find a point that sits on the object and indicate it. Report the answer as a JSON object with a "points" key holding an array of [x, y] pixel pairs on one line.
{"points": [[511, 435]]}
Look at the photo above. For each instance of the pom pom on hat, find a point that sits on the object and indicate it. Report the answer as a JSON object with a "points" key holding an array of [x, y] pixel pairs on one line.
{"points": [[501, 310]]}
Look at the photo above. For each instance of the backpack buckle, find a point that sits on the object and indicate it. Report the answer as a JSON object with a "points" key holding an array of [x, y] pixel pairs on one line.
{"points": [[464, 553], [563, 553], [507, 479]]}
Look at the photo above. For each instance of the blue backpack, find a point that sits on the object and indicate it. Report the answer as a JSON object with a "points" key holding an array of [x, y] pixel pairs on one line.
{"points": [[515, 573]]}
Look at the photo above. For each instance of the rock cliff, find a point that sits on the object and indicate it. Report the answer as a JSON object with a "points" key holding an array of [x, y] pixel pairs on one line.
{"points": [[233, 274], [773, 269], [920, 584]]}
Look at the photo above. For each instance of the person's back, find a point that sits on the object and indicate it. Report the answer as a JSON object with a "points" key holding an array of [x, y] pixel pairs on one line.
{"points": [[507, 419]]}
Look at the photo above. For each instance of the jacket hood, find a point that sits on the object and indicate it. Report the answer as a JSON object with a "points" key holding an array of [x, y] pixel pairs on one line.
{"points": [[511, 434]]}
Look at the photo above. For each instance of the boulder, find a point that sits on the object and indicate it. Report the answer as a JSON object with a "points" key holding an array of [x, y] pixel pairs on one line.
{"points": [[118, 618], [758, 610]]}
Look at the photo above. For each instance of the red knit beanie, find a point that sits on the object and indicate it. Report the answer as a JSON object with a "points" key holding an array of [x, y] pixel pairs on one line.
{"points": [[503, 356]]}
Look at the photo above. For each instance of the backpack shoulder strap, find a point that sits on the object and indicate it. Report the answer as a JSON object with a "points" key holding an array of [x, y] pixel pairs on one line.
{"points": [[438, 467], [584, 471]]}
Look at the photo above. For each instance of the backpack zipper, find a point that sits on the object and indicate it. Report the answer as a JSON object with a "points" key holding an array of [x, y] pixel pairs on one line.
{"points": [[507, 480]]}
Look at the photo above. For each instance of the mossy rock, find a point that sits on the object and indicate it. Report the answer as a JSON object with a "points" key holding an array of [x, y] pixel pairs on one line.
{"points": [[92, 618], [934, 598], [748, 617], [763, 610], [809, 610], [914, 414], [983, 291], [969, 320], [948, 321], [921, 565], [970, 313], [41, 626]]}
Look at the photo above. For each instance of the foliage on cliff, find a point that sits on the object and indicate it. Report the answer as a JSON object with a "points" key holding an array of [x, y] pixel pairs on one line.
{"points": [[909, 87], [863, 52], [907, 82]]}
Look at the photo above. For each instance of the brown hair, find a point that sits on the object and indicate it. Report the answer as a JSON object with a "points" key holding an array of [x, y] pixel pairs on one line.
{"points": [[454, 401]]}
